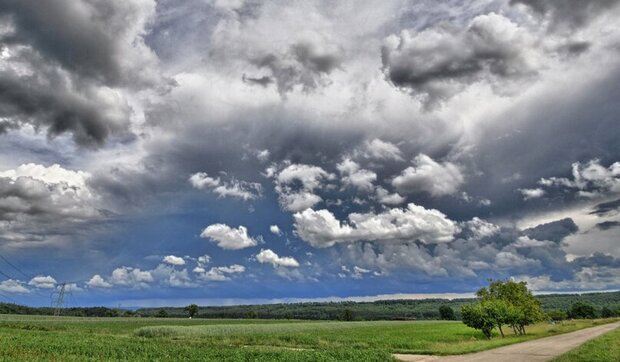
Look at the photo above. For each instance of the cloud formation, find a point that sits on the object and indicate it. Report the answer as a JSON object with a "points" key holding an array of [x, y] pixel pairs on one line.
{"points": [[233, 188], [227, 237], [321, 228], [68, 65], [427, 175], [268, 256], [438, 62], [219, 273], [173, 260], [296, 183]]}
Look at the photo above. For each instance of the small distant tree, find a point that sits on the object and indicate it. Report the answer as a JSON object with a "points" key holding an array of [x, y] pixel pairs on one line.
{"points": [[191, 310], [162, 313], [557, 315], [347, 315], [446, 313], [582, 310]]}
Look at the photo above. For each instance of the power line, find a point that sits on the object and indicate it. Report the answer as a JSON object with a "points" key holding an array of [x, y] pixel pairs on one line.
{"points": [[6, 275], [28, 276], [15, 267], [11, 300]]}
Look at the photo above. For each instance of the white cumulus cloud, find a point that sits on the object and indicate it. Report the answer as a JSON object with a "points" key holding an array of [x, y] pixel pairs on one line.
{"points": [[219, 273], [173, 260], [227, 237], [322, 229], [268, 256], [98, 282], [42, 281], [427, 175], [275, 229], [13, 286]]}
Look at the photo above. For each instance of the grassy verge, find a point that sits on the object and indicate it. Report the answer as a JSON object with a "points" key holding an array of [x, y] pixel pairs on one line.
{"points": [[605, 348]]}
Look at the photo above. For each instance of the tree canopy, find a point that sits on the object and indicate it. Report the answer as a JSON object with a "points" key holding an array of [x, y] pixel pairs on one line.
{"points": [[191, 310], [503, 303], [446, 313]]}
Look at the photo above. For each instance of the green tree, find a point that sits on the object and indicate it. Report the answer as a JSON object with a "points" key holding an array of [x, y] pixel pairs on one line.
{"points": [[446, 313], [347, 315], [476, 316], [557, 315], [527, 309], [501, 313], [582, 310], [191, 310], [162, 313], [607, 313]]}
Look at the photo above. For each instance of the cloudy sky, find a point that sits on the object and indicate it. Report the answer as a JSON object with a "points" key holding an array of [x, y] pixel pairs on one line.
{"points": [[229, 151]]}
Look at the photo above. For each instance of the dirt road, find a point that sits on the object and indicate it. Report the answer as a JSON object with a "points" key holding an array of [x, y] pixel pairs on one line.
{"points": [[543, 349]]}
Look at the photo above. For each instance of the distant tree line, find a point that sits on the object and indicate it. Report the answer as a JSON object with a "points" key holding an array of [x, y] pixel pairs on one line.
{"points": [[9, 308], [558, 307], [387, 309]]}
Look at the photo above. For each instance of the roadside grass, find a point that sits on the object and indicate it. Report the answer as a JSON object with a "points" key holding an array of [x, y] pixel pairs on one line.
{"points": [[605, 348], [35, 338]]}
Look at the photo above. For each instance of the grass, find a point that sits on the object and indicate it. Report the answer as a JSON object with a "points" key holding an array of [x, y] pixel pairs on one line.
{"points": [[35, 338], [605, 348]]}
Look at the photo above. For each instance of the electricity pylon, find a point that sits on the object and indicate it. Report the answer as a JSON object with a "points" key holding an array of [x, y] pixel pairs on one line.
{"points": [[60, 299]]}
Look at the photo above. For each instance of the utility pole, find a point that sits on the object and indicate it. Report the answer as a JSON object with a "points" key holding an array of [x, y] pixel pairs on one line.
{"points": [[60, 299]]}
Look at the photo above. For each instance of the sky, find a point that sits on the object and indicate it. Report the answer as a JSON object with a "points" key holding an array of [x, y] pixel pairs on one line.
{"points": [[241, 151]]}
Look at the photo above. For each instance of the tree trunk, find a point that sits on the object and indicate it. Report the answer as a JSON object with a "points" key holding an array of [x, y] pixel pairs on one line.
{"points": [[500, 330]]}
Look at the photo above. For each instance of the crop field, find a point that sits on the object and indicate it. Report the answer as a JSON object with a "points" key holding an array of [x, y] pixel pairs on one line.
{"points": [[152, 339]]}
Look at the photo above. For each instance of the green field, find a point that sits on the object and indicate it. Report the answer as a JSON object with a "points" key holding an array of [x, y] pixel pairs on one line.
{"points": [[602, 349], [78, 339]]}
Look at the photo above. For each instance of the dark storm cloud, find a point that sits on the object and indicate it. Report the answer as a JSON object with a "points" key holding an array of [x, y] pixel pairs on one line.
{"points": [[264, 80], [555, 231], [597, 260], [568, 13], [199, 147], [607, 225], [439, 61], [606, 208], [543, 140], [67, 64], [52, 105], [303, 64], [80, 35], [575, 47]]}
